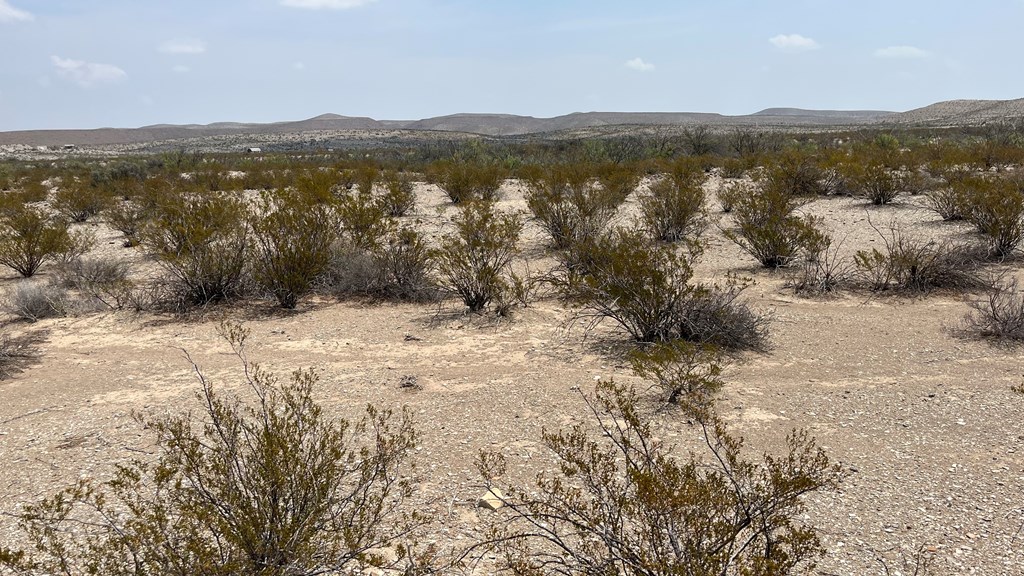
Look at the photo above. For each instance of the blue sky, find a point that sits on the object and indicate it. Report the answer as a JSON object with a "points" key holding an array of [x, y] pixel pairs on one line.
{"points": [[126, 63]]}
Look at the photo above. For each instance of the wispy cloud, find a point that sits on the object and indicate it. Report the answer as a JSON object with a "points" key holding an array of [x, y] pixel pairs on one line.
{"points": [[639, 64], [9, 13], [794, 42], [901, 52], [326, 4], [87, 74], [183, 46]]}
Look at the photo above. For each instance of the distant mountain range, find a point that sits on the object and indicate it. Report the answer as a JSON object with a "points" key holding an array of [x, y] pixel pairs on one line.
{"points": [[949, 113]]}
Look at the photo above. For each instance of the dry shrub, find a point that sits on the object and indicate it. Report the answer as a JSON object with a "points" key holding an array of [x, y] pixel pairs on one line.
{"points": [[364, 219], [36, 301], [107, 281], [823, 271], [795, 172], [617, 502], [730, 193], [914, 265], [949, 202], [17, 352], [617, 180], [999, 315], [262, 482]]}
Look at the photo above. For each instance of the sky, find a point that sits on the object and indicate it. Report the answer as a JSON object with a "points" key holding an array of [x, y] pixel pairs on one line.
{"points": [[129, 63]]}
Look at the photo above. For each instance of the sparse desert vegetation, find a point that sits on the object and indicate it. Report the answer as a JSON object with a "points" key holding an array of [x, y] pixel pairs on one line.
{"points": [[574, 361]]}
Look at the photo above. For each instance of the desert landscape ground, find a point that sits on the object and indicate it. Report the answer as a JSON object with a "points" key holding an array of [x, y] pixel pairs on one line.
{"points": [[921, 416]]}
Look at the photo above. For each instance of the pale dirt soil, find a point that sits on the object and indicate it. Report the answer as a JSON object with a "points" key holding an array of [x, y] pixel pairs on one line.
{"points": [[923, 422]]}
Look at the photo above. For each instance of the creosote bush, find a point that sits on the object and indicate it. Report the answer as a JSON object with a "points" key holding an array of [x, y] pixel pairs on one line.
{"points": [[915, 265], [767, 228], [77, 200], [674, 208], [999, 315], [646, 290], [570, 207], [620, 503], [29, 237], [202, 241], [684, 371], [292, 238], [264, 484], [398, 198], [996, 208], [474, 262], [127, 217], [467, 181]]}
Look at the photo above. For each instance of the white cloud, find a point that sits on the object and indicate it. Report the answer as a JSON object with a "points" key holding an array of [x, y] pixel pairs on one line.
{"points": [[87, 74], [794, 42], [9, 13], [326, 4], [181, 69], [901, 52], [183, 46], [639, 64]]}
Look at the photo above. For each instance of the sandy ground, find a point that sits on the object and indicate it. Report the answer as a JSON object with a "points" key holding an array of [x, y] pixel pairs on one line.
{"points": [[923, 422]]}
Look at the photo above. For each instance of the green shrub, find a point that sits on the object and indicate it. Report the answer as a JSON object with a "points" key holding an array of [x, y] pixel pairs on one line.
{"points": [[77, 200], [996, 208], [767, 228], [673, 209], [618, 181], [949, 202], [684, 371], [398, 198], [201, 240], [467, 181], [364, 219], [474, 262], [639, 286], [292, 238], [618, 502], [795, 172], [875, 181], [730, 193], [267, 484], [129, 218], [570, 208], [29, 237]]}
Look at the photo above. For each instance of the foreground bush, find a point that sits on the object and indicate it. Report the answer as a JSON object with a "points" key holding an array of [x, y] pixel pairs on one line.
{"points": [[619, 503], [474, 263], [292, 238], [266, 485], [29, 237]]}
